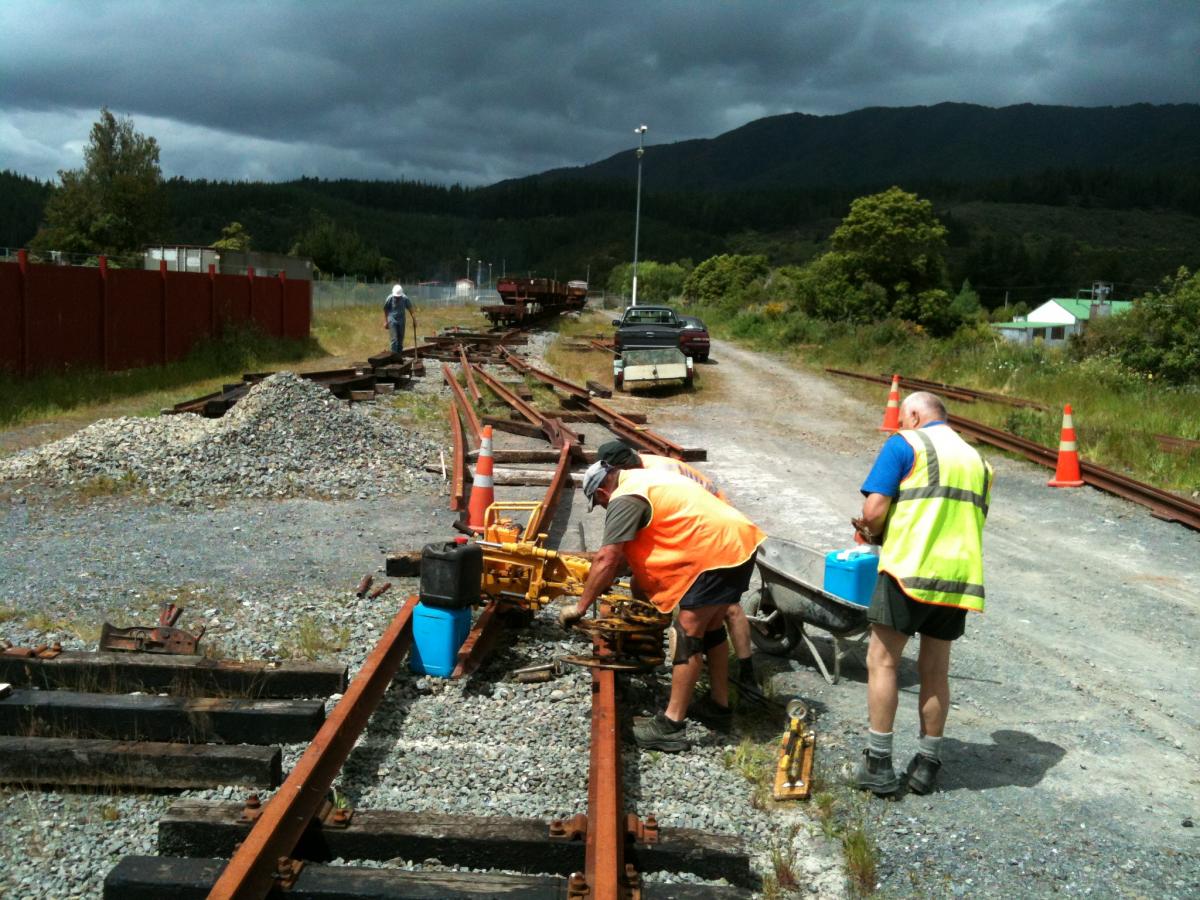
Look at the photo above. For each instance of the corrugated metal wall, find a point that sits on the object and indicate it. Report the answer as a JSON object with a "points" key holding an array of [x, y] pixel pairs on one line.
{"points": [[58, 317]]}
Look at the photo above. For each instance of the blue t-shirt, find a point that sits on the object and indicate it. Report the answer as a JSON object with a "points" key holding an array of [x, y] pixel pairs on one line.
{"points": [[895, 460], [395, 307]]}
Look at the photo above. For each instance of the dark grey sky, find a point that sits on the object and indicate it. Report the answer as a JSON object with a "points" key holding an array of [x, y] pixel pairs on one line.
{"points": [[472, 92]]}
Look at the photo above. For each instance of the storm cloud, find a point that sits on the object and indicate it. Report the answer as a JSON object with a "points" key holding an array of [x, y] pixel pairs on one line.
{"points": [[474, 92]]}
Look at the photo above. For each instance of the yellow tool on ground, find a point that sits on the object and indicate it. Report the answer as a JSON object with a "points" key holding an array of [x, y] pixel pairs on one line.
{"points": [[793, 775]]}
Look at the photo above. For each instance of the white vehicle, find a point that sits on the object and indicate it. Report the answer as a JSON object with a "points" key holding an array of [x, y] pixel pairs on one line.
{"points": [[651, 365]]}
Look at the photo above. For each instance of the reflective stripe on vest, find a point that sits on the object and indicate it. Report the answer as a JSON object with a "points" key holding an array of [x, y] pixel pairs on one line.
{"points": [[668, 464], [933, 543], [690, 532]]}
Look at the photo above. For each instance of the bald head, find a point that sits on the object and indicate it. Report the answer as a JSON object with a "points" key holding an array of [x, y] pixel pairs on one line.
{"points": [[923, 407]]}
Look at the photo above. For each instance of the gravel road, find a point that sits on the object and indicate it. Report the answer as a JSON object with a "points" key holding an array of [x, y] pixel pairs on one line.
{"points": [[1070, 766]]}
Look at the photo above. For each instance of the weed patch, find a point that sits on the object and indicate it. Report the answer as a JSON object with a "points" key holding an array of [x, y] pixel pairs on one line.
{"points": [[861, 859], [316, 639], [106, 486]]}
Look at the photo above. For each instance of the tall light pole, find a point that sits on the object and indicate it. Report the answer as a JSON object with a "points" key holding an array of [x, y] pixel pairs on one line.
{"points": [[640, 131], [489, 276], [468, 268]]}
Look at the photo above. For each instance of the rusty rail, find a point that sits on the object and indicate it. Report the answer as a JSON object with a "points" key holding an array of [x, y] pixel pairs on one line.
{"points": [[954, 391], [250, 873], [472, 388], [604, 862], [458, 490], [1162, 504], [562, 473], [638, 435], [464, 405], [545, 377], [556, 432]]}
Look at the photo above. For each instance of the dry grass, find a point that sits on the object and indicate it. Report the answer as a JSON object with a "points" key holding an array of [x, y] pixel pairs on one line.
{"points": [[315, 639], [756, 762], [861, 859], [8, 613], [106, 486]]}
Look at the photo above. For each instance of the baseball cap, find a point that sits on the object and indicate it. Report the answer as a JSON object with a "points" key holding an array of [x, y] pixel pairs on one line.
{"points": [[592, 479], [618, 454]]}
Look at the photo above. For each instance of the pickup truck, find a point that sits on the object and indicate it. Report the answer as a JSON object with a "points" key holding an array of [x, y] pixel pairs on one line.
{"points": [[661, 326], [648, 345]]}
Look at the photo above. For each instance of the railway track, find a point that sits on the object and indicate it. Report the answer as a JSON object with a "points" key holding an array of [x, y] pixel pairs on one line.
{"points": [[598, 855], [1162, 504]]}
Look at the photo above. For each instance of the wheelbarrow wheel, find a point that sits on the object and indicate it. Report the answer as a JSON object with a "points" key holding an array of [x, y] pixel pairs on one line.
{"points": [[778, 636]]}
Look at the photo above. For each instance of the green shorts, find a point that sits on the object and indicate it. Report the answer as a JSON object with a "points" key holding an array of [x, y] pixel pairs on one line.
{"points": [[892, 607]]}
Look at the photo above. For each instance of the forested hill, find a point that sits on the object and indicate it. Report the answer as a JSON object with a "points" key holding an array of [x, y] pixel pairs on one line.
{"points": [[956, 142]]}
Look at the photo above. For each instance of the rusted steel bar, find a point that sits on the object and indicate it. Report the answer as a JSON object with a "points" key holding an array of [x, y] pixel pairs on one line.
{"points": [[458, 491], [545, 377], [476, 432], [640, 436], [249, 875], [545, 515], [1173, 444], [501, 391], [480, 641], [1162, 504], [472, 388], [956, 391], [604, 865], [556, 432]]}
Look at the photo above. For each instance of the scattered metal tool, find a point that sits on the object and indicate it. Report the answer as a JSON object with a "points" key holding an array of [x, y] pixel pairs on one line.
{"points": [[165, 638], [363, 586], [41, 651], [379, 591], [539, 673], [793, 775]]}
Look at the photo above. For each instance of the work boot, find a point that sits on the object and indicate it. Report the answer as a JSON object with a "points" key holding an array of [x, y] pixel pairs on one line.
{"points": [[711, 713], [875, 774], [660, 733], [922, 772]]}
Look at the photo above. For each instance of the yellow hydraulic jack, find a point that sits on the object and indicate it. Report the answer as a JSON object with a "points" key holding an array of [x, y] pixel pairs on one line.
{"points": [[525, 574], [793, 775]]}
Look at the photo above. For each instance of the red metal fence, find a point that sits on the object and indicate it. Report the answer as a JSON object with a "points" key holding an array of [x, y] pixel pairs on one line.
{"points": [[55, 317]]}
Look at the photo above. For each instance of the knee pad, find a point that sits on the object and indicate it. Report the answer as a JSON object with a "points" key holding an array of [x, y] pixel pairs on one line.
{"points": [[681, 647], [714, 638]]}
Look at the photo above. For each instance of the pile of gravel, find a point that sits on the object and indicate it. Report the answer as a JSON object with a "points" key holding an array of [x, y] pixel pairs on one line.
{"points": [[287, 437]]}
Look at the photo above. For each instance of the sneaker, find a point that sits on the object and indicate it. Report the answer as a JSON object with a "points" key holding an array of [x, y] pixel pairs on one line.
{"points": [[660, 733], [711, 713], [875, 774], [922, 772]]}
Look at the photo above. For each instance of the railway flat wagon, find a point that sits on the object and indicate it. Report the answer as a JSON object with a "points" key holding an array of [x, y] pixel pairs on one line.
{"points": [[523, 300]]}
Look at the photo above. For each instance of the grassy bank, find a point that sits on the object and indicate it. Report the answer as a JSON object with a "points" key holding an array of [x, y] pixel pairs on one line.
{"points": [[1117, 412], [73, 399]]}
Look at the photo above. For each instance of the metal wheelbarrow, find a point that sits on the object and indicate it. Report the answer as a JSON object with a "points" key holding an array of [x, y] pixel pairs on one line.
{"points": [[791, 598]]}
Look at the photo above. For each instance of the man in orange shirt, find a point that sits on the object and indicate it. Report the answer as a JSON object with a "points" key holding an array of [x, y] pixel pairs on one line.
{"points": [[621, 456], [688, 551]]}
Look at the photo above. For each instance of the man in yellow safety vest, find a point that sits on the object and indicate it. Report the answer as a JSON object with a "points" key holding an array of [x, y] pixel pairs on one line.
{"points": [[926, 501], [687, 549]]}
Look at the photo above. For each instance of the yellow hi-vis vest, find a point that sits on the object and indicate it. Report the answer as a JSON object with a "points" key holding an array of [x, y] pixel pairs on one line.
{"points": [[933, 538], [690, 532]]}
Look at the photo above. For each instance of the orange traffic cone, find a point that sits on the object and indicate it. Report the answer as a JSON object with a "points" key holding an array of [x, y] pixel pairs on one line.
{"points": [[891, 415], [483, 487], [1066, 473]]}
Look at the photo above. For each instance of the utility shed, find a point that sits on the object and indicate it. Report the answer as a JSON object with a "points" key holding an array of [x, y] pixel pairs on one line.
{"points": [[1059, 318]]}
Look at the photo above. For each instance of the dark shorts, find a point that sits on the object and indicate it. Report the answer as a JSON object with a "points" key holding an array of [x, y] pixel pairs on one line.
{"points": [[892, 607], [719, 585]]}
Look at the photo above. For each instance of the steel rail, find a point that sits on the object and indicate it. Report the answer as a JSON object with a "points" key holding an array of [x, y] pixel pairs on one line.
{"points": [[638, 435], [471, 386], [250, 873], [545, 377], [458, 490], [464, 405], [1162, 504], [479, 642], [604, 859], [556, 432], [562, 472], [958, 392]]}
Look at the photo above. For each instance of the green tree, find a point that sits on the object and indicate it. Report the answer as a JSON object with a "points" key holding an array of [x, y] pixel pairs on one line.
{"points": [[114, 204], [721, 279], [965, 306], [335, 249], [233, 237], [1160, 335], [657, 282]]}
